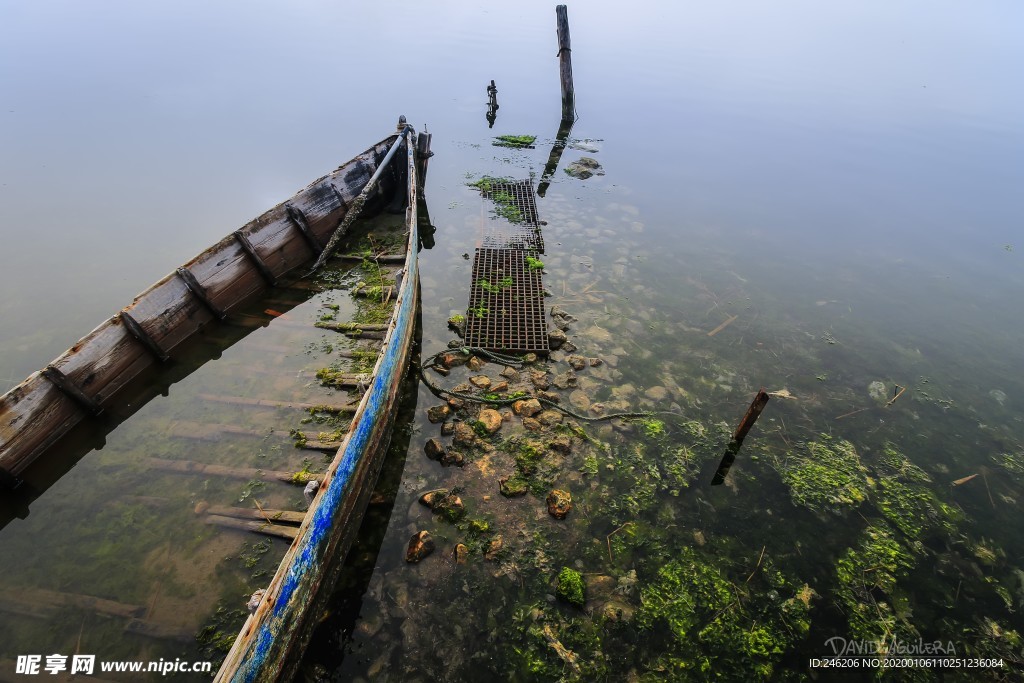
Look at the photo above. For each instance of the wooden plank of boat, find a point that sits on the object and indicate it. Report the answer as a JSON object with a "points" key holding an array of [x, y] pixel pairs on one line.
{"points": [[273, 637], [35, 414]]}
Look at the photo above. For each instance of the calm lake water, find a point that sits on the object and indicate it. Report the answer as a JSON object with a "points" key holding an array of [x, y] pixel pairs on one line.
{"points": [[842, 180]]}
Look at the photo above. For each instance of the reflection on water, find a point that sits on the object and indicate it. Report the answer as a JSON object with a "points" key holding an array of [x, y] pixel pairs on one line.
{"points": [[841, 180]]}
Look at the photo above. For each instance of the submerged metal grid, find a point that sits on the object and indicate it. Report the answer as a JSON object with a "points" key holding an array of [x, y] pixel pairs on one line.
{"points": [[518, 237], [521, 234], [522, 195], [509, 314]]}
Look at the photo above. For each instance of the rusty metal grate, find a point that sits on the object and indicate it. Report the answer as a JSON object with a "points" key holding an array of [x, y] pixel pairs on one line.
{"points": [[521, 197], [506, 313]]}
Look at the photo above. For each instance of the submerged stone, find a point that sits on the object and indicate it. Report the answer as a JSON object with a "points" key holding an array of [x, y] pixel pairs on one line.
{"points": [[434, 449], [490, 419], [420, 546], [438, 413], [559, 503]]}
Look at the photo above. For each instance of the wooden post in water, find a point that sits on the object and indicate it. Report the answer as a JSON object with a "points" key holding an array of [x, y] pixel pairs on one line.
{"points": [[753, 412], [565, 64]]}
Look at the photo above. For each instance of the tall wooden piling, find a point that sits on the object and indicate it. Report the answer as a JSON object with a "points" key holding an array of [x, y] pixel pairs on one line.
{"points": [[565, 64]]}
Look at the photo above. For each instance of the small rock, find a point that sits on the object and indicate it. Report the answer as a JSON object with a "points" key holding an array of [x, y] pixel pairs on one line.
{"points": [[506, 416], [480, 381], [594, 362], [565, 380], [550, 418], [434, 449], [491, 420], [527, 407], [464, 434], [561, 443], [599, 586], [531, 425], [461, 553], [512, 487], [456, 403], [433, 498], [447, 429], [577, 362], [420, 545], [549, 396], [579, 400], [255, 600], [453, 457], [463, 388], [530, 358], [497, 543], [201, 507], [441, 370], [656, 393], [877, 391], [584, 168], [556, 338], [438, 413], [476, 363], [451, 360], [511, 374], [499, 386], [618, 610], [559, 503], [539, 380], [569, 347]]}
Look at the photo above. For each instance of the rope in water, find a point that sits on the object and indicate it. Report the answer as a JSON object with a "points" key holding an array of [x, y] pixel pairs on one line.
{"points": [[511, 362]]}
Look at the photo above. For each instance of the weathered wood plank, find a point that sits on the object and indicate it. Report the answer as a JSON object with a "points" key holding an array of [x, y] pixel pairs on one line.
{"points": [[279, 530], [275, 516], [192, 467], [271, 403]]}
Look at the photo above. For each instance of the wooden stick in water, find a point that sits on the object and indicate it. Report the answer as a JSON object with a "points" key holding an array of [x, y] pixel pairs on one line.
{"points": [[753, 412], [724, 325]]}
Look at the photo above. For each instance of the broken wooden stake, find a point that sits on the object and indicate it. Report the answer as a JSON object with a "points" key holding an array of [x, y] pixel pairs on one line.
{"points": [[753, 412], [565, 64]]}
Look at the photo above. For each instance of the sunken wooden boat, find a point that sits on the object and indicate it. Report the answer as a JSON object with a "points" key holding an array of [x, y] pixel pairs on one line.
{"points": [[78, 398]]}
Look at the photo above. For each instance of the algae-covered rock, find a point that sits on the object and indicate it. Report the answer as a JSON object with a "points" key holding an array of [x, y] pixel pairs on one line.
{"points": [[878, 392], [571, 587], [559, 503], [826, 475], [584, 167]]}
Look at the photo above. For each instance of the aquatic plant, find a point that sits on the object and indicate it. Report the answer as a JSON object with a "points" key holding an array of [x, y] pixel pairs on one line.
{"points": [[826, 475], [514, 141], [571, 587], [720, 627], [867, 574], [534, 263]]}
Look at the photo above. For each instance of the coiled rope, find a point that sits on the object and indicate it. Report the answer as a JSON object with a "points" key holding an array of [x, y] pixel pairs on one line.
{"points": [[511, 362]]}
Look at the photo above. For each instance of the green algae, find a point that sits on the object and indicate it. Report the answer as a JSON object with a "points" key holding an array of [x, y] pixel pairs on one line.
{"points": [[826, 476], [721, 626], [866, 576], [514, 141]]}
